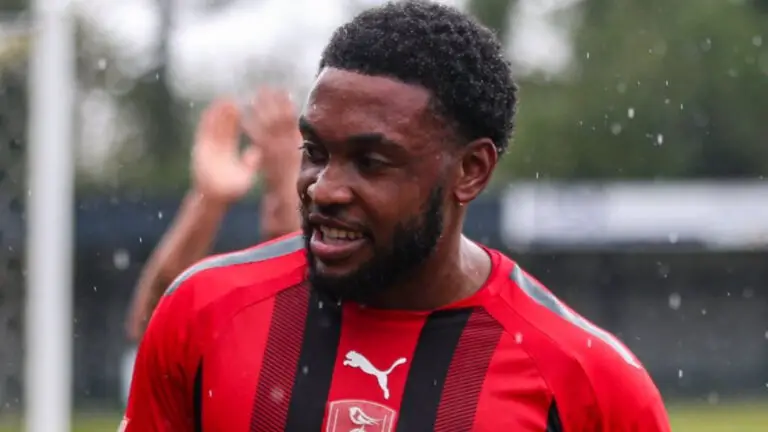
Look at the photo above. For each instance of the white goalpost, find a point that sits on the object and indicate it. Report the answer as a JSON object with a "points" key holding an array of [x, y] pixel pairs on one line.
{"points": [[50, 218]]}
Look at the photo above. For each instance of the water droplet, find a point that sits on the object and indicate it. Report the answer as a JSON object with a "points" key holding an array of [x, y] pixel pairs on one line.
{"points": [[102, 63], [587, 54], [703, 311], [674, 301], [757, 40], [679, 373], [631, 113], [210, 393], [589, 343], [277, 394], [518, 337], [305, 370], [616, 128], [121, 259], [673, 238], [766, 335], [659, 139], [160, 215], [320, 305]]}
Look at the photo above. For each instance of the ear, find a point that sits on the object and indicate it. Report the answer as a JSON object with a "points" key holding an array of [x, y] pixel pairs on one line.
{"points": [[478, 160]]}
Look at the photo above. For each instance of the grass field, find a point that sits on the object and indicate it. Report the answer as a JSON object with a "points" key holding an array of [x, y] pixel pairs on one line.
{"points": [[745, 417]]}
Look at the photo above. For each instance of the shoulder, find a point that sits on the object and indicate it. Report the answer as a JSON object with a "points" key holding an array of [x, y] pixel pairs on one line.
{"points": [[269, 266], [586, 367], [213, 291]]}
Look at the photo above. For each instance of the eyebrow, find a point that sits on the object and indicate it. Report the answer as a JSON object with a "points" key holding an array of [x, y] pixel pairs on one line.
{"points": [[367, 138]]}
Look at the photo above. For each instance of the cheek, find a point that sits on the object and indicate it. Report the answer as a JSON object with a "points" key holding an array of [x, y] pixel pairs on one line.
{"points": [[389, 204]]}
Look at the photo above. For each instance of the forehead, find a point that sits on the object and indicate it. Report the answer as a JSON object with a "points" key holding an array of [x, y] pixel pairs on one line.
{"points": [[343, 103]]}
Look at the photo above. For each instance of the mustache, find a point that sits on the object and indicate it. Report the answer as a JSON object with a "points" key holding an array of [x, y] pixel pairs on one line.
{"points": [[313, 215]]}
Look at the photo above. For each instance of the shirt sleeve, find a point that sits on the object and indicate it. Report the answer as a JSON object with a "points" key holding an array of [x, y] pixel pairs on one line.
{"points": [[630, 402], [651, 418], [161, 395]]}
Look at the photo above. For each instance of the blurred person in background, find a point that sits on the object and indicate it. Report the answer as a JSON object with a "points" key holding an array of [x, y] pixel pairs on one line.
{"points": [[380, 315], [221, 176]]}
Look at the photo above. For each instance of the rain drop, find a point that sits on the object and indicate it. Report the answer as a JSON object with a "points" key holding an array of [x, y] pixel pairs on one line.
{"points": [[616, 128], [277, 394], [659, 139], [102, 63], [121, 259], [518, 337], [631, 113], [674, 301], [679, 373], [757, 40]]}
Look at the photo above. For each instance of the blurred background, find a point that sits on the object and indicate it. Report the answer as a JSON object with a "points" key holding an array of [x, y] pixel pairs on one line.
{"points": [[635, 186]]}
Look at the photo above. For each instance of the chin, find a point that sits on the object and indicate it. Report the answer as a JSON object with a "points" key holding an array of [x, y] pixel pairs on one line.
{"points": [[348, 282]]}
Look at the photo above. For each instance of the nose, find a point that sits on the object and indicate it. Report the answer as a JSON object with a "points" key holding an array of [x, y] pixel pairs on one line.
{"points": [[330, 188]]}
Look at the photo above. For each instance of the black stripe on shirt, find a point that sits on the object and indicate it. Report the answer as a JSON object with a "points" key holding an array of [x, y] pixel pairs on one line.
{"points": [[431, 360], [467, 372], [281, 355], [312, 384], [197, 398]]}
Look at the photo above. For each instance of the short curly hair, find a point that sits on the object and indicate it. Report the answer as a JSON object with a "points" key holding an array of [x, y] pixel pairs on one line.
{"points": [[440, 48]]}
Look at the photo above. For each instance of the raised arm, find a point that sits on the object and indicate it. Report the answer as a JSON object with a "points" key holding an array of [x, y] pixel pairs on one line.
{"points": [[222, 175]]}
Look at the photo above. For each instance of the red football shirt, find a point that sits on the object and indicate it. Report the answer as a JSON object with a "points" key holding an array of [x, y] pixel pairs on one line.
{"points": [[240, 343]]}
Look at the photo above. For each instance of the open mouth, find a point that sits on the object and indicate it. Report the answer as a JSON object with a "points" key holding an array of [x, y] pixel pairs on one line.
{"points": [[330, 244]]}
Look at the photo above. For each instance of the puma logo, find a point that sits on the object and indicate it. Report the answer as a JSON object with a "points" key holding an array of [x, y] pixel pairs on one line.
{"points": [[356, 360]]}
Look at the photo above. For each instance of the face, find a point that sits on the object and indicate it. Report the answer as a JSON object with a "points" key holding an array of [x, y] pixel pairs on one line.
{"points": [[373, 182]]}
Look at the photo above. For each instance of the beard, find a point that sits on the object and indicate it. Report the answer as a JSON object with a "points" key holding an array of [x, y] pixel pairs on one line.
{"points": [[412, 243]]}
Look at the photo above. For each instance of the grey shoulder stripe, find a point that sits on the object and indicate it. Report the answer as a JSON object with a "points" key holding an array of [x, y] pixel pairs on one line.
{"points": [[272, 250], [549, 301]]}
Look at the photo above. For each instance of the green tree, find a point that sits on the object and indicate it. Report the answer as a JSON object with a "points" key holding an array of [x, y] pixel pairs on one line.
{"points": [[657, 89], [493, 13]]}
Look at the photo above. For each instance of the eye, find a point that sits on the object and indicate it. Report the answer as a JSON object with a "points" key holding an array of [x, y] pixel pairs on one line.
{"points": [[313, 152], [371, 162]]}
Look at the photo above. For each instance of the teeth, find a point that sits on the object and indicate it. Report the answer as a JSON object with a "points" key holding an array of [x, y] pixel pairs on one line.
{"points": [[339, 234]]}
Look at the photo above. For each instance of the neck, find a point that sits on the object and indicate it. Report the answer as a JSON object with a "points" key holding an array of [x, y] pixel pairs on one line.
{"points": [[456, 270]]}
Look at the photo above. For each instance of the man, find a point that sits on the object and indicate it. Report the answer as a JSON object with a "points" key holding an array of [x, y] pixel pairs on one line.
{"points": [[381, 316], [221, 177]]}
